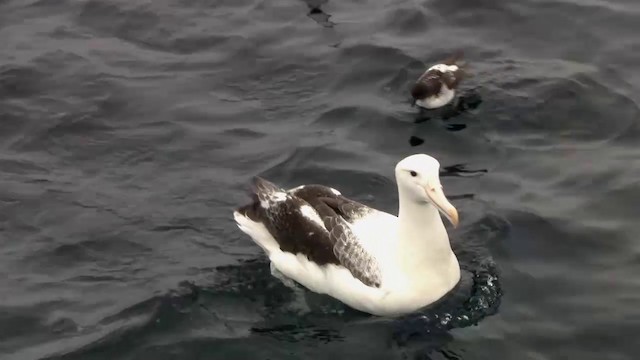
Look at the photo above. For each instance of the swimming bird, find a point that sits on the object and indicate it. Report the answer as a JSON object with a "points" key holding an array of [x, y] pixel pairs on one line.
{"points": [[437, 86], [370, 260]]}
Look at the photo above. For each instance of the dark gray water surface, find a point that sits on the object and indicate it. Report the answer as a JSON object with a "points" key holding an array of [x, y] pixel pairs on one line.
{"points": [[129, 130]]}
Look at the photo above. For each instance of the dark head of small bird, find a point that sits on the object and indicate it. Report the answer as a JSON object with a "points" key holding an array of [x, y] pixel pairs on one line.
{"points": [[426, 88]]}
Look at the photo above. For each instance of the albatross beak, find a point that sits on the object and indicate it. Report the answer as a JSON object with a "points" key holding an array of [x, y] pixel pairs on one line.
{"points": [[437, 197]]}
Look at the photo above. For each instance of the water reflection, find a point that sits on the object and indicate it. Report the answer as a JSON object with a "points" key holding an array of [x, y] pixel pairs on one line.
{"points": [[468, 100], [317, 14], [460, 170]]}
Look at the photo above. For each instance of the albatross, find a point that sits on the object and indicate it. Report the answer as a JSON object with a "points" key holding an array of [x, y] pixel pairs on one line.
{"points": [[368, 259]]}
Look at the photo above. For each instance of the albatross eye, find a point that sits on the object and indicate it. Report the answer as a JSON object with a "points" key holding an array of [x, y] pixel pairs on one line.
{"points": [[413, 173]]}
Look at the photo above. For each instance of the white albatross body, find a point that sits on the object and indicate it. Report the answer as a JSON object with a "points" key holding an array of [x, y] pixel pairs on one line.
{"points": [[414, 263]]}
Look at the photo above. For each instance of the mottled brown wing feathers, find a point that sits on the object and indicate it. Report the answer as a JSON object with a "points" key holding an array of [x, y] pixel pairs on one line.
{"points": [[329, 240], [350, 252]]}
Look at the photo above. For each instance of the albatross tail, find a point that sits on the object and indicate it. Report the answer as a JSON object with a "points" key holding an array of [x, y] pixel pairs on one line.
{"points": [[261, 192], [252, 218]]}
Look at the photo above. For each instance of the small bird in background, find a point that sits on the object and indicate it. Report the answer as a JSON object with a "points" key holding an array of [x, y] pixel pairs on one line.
{"points": [[437, 86]]}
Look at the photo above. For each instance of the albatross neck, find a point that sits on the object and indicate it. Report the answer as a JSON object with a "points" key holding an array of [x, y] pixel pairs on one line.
{"points": [[422, 238]]}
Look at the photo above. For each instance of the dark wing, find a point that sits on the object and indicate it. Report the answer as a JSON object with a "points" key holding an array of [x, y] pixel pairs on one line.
{"points": [[337, 212], [329, 240], [285, 218], [348, 248], [427, 85], [429, 75], [349, 209]]}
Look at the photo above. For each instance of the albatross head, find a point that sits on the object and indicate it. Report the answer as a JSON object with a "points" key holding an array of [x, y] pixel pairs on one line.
{"points": [[418, 178]]}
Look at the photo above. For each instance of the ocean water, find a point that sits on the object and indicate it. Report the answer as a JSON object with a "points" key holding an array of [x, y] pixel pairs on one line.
{"points": [[129, 131]]}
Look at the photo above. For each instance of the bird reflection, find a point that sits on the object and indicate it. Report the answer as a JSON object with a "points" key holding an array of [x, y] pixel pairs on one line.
{"points": [[317, 14], [460, 170], [469, 100]]}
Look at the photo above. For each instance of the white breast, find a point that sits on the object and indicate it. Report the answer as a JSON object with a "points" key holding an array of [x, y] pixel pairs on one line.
{"points": [[444, 97]]}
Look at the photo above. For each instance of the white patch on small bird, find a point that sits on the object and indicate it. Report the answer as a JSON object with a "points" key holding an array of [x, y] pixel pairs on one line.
{"points": [[336, 192], [308, 212], [444, 67], [297, 188]]}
